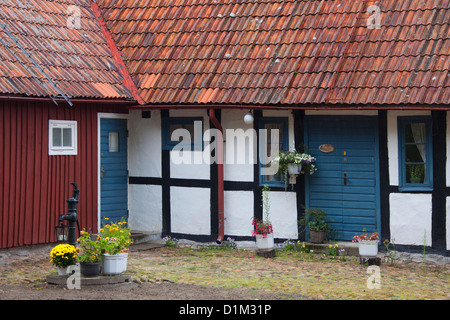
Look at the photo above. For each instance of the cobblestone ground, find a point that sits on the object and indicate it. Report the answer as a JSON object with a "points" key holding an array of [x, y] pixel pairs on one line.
{"points": [[217, 274]]}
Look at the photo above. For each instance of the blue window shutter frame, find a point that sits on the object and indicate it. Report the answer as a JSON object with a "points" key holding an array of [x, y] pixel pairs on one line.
{"points": [[428, 183], [285, 146]]}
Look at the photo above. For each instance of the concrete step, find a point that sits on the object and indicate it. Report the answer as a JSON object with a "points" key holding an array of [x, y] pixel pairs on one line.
{"points": [[142, 236]]}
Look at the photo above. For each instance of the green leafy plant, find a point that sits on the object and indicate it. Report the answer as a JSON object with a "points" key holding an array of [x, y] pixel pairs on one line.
{"points": [[171, 242], [316, 219], [391, 254], [228, 244], [302, 247], [115, 238], [424, 245], [89, 250], [333, 250], [263, 227], [289, 245]]}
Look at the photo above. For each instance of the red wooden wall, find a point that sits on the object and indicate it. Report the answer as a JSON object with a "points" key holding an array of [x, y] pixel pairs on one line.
{"points": [[34, 186]]}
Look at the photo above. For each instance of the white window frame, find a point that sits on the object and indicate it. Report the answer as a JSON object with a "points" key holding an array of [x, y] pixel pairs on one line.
{"points": [[63, 150]]}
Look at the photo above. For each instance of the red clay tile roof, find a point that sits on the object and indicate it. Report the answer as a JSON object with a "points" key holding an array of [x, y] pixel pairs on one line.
{"points": [[76, 60], [284, 52]]}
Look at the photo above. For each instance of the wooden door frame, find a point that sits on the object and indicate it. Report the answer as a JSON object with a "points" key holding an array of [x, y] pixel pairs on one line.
{"points": [[375, 118], [101, 116]]}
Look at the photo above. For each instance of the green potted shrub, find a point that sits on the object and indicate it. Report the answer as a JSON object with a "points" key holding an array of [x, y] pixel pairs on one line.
{"points": [[317, 224]]}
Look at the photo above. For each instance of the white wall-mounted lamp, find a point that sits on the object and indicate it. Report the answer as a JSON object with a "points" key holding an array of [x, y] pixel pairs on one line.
{"points": [[248, 118]]}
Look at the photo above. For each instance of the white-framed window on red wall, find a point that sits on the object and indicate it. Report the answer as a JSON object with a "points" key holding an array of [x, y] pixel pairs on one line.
{"points": [[62, 137]]}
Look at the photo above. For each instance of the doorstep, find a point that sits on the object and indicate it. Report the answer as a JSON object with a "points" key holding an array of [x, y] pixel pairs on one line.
{"points": [[147, 245], [142, 236]]}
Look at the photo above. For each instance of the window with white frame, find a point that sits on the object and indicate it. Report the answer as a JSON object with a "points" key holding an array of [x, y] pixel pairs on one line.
{"points": [[62, 137]]}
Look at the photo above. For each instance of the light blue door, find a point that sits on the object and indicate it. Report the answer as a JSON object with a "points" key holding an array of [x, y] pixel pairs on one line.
{"points": [[113, 170], [346, 182]]}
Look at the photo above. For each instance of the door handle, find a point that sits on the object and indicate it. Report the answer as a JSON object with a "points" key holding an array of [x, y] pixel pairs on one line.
{"points": [[345, 179], [102, 171]]}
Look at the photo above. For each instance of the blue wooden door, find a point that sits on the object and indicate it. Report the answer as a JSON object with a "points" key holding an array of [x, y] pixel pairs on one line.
{"points": [[346, 182], [113, 170]]}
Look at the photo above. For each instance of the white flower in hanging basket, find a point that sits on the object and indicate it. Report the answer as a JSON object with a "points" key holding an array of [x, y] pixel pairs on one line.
{"points": [[293, 162]]}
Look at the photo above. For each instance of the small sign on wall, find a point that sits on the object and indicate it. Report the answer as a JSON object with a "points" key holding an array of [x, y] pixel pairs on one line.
{"points": [[326, 148]]}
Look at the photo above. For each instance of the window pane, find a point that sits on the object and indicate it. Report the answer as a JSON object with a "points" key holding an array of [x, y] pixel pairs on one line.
{"points": [[190, 127], [415, 153], [56, 133], [172, 128], [415, 173], [67, 137], [272, 150], [274, 126], [274, 144], [415, 132], [113, 142]]}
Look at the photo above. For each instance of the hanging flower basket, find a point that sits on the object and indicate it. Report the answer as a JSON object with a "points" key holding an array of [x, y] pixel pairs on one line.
{"points": [[293, 163], [286, 159], [294, 168]]}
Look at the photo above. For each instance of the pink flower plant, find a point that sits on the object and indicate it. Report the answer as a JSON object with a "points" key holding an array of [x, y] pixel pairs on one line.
{"points": [[366, 237], [260, 227]]}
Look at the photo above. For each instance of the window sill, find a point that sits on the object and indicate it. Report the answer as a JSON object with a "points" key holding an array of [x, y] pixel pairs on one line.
{"points": [[415, 188]]}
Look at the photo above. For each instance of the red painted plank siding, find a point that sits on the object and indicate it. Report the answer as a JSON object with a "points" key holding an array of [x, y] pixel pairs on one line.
{"points": [[34, 186]]}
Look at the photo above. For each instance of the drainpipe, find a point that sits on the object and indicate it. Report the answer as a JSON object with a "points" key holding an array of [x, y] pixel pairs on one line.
{"points": [[218, 126]]}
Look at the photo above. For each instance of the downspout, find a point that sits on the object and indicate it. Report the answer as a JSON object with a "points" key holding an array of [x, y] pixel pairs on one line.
{"points": [[218, 126]]}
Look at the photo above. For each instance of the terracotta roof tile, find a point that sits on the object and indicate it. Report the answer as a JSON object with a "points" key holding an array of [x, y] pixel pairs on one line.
{"points": [[77, 60], [233, 52]]}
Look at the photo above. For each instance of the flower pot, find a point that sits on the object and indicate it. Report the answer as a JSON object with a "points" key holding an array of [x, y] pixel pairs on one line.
{"points": [[368, 248], [115, 264], [317, 236], [62, 271], [90, 269], [264, 243], [294, 168]]}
